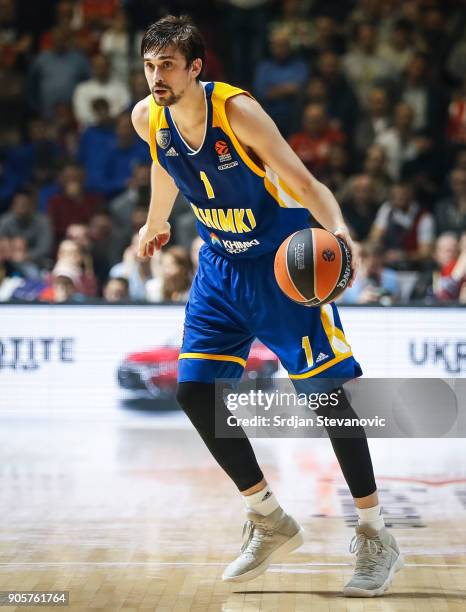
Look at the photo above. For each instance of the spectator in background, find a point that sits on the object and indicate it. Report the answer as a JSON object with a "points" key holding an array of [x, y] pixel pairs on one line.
{"points": [[65, 128], [337, 170], [20, 259], [398, 49], [399, 141], [72, 262], [11, 280], [23, 221], [138, 88], [456, 64], [95, 140], [456, 127], [11, 88], [105, 245], [360, 206], [365, 11], [460, 159], [450, 212], [196, 246], [67, 17], [294, 19], [184, 223], [73, 204], [176, 271], [138, 192], [312, 144], [123, 232], [432, 36], [101, 85], [326, 37], [15, 40], [443, 282], [39, 150], [341, 100], [99, 13], [116, 290], [8, 284], [375, 166], [428, 101], [278, 80], [363, 66], [374, 284], [79, 234], [138, 272], [119, 159], [246, 29], [64, 288], [373, 121], [114, 44], [54, 74], [404, 229], [316, 92]]}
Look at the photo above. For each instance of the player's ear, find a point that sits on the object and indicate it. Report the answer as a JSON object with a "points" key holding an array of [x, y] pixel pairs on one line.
{"points": [[196, 67]]}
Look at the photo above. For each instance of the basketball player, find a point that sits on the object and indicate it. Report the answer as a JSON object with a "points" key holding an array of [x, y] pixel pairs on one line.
{"points": [[249, 191]]}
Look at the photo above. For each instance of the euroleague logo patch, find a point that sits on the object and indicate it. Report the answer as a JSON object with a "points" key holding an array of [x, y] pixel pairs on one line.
{"points": [[221, 147], [328, 255], [223, 151]]}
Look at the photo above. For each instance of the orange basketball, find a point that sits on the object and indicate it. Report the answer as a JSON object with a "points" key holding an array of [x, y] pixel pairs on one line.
{"points": [[313, 267]]}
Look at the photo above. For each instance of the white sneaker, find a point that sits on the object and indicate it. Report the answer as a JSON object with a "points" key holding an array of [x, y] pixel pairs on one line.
{"points": [[378, 558], [265, 539]]}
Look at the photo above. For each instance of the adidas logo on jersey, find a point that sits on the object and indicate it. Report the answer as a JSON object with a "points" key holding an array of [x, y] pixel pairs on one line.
{"points": [[321, 357], [171, 153]]}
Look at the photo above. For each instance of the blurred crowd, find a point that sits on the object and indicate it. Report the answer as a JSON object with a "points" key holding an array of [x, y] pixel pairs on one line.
{"points": [[371, 96]]}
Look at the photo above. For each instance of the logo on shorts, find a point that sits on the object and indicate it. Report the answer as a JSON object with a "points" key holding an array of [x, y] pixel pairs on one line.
{"points": [[239, 246], [215, 239], [328, 255], [163, 138], [233, 246]]}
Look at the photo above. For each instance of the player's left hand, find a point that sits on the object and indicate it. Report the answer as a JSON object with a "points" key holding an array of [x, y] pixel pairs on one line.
{"points": [[343, 233]]}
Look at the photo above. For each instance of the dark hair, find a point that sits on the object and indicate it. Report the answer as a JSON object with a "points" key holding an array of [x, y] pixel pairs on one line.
{"points": [[403, 24], [177, 31], [26, 190]]}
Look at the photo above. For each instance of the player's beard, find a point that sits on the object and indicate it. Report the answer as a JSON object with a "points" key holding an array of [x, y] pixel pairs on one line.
{"points": [[169, 99]]}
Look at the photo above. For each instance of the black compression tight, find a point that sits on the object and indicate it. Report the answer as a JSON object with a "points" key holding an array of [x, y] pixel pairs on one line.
{"points": [[234, 455], [237, 458]]}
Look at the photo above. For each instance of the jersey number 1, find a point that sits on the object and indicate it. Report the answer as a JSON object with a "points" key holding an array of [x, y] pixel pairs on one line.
{"points": [[207, 185], [306, 344]]}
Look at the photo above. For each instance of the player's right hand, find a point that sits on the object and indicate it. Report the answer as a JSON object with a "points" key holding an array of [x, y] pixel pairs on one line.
{"points": [[151, 240]]}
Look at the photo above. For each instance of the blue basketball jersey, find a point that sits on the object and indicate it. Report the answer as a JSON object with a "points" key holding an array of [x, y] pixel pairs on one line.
{"points": [[242, 209]]}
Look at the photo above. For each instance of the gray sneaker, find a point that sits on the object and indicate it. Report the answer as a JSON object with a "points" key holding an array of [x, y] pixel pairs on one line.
{"points": [[377, 559], [265, 539]]}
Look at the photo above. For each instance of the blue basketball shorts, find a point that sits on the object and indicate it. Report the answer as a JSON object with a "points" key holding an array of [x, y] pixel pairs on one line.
{"points": [[232, 302]]}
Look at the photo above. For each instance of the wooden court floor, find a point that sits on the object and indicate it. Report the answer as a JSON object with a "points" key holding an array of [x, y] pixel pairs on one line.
{"points": [[133, 515]]}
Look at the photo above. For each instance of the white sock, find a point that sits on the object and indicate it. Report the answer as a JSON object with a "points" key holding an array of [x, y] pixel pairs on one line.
{"points": [[263, 502], [371, 516]]}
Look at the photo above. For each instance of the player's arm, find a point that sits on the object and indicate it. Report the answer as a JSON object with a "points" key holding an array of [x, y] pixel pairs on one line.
{"points": [[156, 231], [257, 131]]}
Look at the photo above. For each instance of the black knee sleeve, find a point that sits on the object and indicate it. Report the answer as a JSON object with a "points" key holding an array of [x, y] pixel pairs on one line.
{"points": [[234, 455], [351, 448]]}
